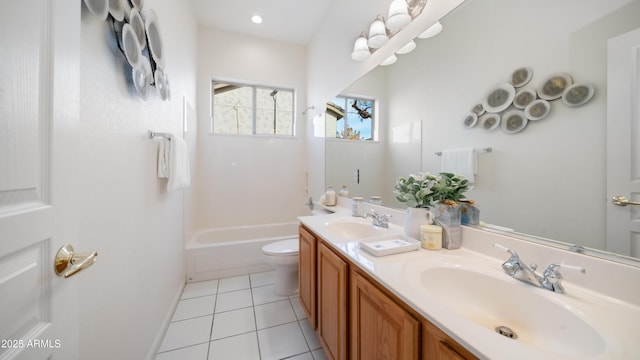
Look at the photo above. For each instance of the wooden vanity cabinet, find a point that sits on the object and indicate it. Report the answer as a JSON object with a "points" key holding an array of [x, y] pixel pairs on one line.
{"points": [[333, 276], [307, 273], [355, 317], [380, 327]]}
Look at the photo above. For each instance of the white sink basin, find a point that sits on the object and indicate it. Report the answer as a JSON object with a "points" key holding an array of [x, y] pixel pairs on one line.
{"points": [[358, 228], [537, 321]]}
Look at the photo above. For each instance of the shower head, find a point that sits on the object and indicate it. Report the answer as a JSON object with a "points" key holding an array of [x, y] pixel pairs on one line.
{"points": [[273, 93]]}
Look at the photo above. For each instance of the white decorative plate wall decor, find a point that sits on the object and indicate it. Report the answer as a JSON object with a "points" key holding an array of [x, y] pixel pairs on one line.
{"points": [[478, 109], [524, 97], [135, 29], [138, 27], [578, 94], [554, 86], [537, 110], [99, 8], [471, 120], [153, 34], [521, 77], [116, 9], [513, 121], [131, 46], [499, 98], [489, 121]]}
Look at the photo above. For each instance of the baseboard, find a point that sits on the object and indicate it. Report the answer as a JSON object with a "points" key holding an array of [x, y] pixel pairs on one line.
{"points": [[162, 331]]}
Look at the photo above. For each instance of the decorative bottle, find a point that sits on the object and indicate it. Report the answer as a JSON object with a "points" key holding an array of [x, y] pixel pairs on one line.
{"points": [[344, 192], [331, 196]]}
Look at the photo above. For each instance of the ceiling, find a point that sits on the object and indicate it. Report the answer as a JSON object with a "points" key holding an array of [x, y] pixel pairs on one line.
{"points": [[291, 21]]}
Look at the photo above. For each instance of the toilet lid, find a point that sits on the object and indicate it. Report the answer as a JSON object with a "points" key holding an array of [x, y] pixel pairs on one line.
{"points": [[282, 248]]}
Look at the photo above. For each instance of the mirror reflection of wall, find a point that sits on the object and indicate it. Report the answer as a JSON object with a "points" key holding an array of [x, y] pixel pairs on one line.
{"points": [[370, 168], [354, 148], [548, 180]]}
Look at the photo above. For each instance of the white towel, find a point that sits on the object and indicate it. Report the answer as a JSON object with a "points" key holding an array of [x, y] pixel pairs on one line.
{"points": [[179, 172], [173, 163], [461, 161], [163, 158]]}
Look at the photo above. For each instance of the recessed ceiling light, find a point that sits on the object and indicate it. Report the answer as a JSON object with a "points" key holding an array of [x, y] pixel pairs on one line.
{"points": [[256, 19]]}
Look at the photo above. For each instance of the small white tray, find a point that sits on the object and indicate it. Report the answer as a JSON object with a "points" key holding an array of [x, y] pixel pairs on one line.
{"points": [[389, 245]]}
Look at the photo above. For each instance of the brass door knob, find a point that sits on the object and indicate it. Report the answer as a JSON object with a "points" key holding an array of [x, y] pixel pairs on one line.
{"points": [[623, 201], [68, 262]]}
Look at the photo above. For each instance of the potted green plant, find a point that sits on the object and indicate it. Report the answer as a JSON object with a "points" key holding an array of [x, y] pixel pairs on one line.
{"points": [[449, 190], [423, 191], [417, 192]]}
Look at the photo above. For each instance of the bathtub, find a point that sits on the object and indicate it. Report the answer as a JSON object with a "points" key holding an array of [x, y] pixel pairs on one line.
{"points": [[231, 251]]}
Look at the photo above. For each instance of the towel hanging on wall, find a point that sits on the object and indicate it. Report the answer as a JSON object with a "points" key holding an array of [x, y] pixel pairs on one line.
{"points": [[163, 158], [460, 161], [173, 162]]}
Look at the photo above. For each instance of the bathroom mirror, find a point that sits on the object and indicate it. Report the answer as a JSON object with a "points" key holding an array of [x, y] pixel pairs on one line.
{"points": [[369, 166], [548, 181]]}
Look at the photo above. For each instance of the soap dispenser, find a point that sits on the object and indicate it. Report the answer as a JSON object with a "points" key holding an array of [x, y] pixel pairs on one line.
{"points": [[331, 196]]}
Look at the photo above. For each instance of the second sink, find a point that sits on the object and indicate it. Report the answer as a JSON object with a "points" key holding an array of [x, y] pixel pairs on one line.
{"points": [[513, 310]]}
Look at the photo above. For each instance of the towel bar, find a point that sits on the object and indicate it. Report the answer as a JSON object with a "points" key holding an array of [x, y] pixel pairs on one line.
{"points": [[154, 134], [487, 150]]}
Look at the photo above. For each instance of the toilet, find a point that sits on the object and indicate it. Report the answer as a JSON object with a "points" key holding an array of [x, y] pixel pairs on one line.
{"points": [[283, 255]]}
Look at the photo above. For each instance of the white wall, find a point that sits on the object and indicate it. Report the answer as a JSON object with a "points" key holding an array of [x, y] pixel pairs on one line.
{"points": [[124, 211], [245, 180], [557, 163]]}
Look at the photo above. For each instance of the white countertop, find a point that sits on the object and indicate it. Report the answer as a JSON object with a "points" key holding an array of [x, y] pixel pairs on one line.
{"points": [[617, 320]]}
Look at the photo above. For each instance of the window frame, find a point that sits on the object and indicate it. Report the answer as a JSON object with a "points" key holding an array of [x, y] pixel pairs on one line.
{"points": [[375, 134], [255, 86]]}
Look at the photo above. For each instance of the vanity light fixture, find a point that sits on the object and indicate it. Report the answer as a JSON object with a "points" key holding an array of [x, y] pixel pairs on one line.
{"points": [[390, 60], [398, 15], [256, 19], [378, 33], [409, 47], [432, 31], [361, 48], [401, 13]]}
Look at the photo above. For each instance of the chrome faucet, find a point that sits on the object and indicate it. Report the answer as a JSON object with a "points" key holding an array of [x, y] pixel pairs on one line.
{"points": [[551, 279], [380, 220]]}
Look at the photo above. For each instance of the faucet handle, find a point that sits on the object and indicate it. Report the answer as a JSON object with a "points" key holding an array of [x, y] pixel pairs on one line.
{"points": [[552, 269], [514, 255], [512, 265], [552, 278]]}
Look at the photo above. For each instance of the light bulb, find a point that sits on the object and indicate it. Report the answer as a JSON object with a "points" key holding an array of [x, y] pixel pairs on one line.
{"points": [[432, 31], [409, 47], [377, 33], [398, 15], [390, 60], [361, 49]]}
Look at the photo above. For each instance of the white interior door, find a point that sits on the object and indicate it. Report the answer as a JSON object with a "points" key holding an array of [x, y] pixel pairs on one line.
{"points": [[623, 143], [38, 107]]}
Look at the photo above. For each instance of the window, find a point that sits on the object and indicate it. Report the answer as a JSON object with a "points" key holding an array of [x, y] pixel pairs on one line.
{"points": [[251, 110], [351, 118]]}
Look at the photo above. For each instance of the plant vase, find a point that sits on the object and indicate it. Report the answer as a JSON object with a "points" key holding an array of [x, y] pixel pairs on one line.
{"points": [[414, 218], [447, 215], [469, 214]]}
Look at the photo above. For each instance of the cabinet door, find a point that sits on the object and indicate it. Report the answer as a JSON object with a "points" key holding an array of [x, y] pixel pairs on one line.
{"points": [[439, 346], [332, 303], [307, 274], [380, 328]]}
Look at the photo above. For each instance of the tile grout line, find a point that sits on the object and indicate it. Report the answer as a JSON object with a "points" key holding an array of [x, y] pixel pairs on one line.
{"points": [[255, 321], [213, 317]]}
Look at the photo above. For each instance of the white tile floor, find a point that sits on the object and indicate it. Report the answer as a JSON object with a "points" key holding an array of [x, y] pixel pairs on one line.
{"points": [[239, 318]]}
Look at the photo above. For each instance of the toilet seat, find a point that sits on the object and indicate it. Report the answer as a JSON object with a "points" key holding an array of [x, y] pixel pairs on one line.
{"points": [[287, 247]]}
